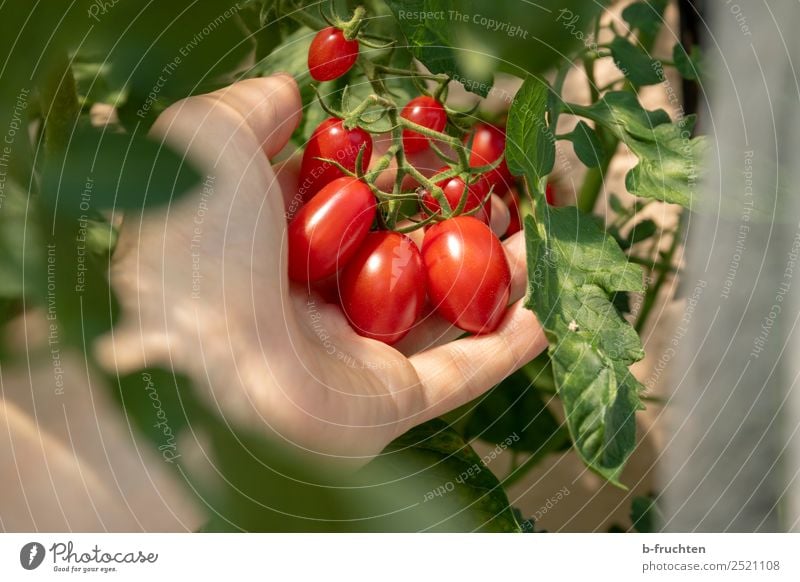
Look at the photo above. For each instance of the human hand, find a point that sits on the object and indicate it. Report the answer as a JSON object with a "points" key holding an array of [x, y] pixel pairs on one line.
{"points": [[204, 290]]}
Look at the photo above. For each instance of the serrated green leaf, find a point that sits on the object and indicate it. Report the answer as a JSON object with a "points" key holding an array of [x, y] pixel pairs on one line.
{"points": [[587, 145], [515, 413], [690, 66], [574, 269], [669, 158], [432, 40], [530, 146], [646, 18], [637, 66], [523, 39]]}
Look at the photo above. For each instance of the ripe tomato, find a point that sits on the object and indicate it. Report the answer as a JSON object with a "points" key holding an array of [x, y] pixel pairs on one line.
{"points": [[329, 229], [468, 275], [453, 190], [331, 55], [382, 288], [488, 144], [427, 112], [332, 141]]}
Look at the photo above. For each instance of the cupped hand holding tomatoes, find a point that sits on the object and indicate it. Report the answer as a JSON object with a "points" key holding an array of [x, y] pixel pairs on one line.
{"points": [[329, 229], [427, 112], [331, 55], [332, 141], [382, 289], [468, 274]]}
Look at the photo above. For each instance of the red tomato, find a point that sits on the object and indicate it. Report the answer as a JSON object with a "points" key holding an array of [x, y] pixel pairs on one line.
{"points": [[488, 144], [328, 230], [550, 195], [468, 275], [382, 289], [331, 55], [427, 112], [512, 199], [332, 141], [453, 190]]}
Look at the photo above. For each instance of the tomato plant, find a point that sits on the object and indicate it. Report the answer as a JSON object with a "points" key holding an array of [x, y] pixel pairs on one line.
{"points": [[377, 72]]}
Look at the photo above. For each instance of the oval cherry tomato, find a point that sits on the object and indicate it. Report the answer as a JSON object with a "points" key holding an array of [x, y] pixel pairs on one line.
{"points": [[488, 144], [427, 112], [328, 230], [468, 275], [453, 190], [332, 141], [382, 289], [331, 55]]}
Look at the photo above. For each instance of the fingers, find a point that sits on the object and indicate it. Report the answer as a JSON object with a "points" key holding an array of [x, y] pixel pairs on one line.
{"points": [[271, 107], [460, 371]]}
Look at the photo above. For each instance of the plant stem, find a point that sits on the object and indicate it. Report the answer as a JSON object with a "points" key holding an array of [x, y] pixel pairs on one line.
{"points": [[299, 15], [545, 449], [593, 182], [652, 293], [60, 106]]}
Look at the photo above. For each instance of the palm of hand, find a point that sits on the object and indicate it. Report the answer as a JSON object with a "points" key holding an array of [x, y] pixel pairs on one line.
{"points": [[204, 291]]}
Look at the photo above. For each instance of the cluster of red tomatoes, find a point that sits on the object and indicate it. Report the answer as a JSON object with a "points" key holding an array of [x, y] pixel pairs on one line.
{"points": [[382, 279]]}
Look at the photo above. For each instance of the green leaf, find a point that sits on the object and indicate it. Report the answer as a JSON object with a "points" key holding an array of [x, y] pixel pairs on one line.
{"points": [[427, 480], [637, 66], [160, 404], [587, 145], [289, 57], [531, 144], [432, 39], [196, 46], [574, 268], [102, 170], [690, 66], [645, 516], [514, 414], [641, 231], [20, 249], [669, 158], [436, 471], [646, 18], [522, 39]]}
